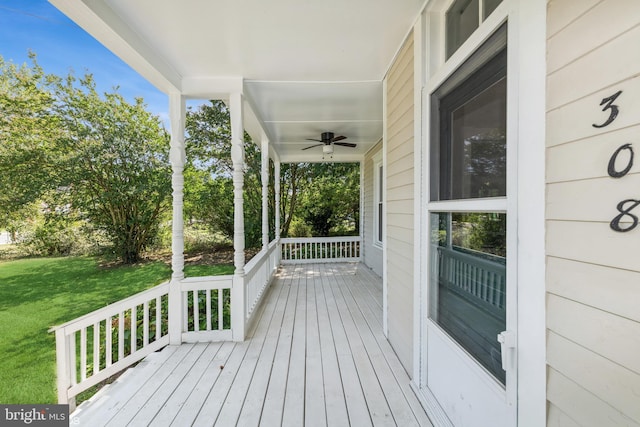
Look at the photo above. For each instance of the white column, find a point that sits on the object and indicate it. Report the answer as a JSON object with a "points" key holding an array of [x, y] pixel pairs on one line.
{"points": [[177, 114], [362, 207], [265, 191], [238, 294], [237, 157], [276, 179]]}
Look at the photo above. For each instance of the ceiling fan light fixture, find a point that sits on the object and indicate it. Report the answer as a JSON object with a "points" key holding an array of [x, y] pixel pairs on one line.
{"points": [[327, 149]]}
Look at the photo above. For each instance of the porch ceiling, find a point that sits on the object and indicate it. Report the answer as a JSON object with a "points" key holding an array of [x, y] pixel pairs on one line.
{"points": [[307, 66]]}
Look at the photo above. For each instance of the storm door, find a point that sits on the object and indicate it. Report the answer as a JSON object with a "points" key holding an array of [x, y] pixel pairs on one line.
{"points": [[467, 214]]}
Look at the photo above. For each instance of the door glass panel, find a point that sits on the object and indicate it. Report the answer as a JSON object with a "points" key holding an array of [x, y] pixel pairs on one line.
{"points": [[469, 146], [468, 267], [478, 145]]}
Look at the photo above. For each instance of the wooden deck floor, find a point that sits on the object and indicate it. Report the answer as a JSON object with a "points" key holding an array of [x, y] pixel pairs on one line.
{"points": [[316, 357]]}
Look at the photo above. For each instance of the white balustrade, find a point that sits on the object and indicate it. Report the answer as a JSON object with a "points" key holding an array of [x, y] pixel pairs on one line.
{"points": [[206, 308], [320, 249], [109, 340], [258, 274]]}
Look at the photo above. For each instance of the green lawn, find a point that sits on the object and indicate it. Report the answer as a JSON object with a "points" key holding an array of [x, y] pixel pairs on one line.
{"points": [[36, 294]]}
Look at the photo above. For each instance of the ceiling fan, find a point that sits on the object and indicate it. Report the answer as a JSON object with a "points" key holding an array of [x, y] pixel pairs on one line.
{"points": [[328, 140]]}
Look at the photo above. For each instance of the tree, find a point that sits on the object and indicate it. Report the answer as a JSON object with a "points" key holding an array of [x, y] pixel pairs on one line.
{"points": [[331, 198], [210, 170], [293, 177], [29, 128], [115, 165]]}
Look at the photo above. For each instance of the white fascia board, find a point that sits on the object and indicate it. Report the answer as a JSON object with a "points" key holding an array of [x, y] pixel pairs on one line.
{"points": [[97, 19], [212, 87]]}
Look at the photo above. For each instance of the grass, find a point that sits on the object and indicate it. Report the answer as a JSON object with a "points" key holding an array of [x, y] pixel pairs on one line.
{"points": [[36, 294]]}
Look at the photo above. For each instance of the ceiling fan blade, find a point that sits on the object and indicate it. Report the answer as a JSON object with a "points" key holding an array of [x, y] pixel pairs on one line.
{"points": [[338, 138], [317, 140], [311, 146], [346, 144]]}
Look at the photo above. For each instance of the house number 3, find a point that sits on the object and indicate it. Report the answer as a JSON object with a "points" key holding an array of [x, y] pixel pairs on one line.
{"points": [[626, 206]]}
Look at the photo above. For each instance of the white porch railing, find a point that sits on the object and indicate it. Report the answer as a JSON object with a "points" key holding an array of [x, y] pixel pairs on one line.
{"points": [[109, 340], [258, 274], [320, 249], [100, 344], [206, 308]]}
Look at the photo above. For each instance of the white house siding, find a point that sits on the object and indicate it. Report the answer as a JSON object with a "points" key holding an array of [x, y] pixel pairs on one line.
{"points": [[593, 272], [399, 199], [372, 254]]}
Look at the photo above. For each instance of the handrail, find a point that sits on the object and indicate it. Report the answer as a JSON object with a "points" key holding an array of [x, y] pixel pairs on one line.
{"points": [[110, 339]]}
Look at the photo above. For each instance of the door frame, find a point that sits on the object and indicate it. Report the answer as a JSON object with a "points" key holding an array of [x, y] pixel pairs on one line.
{"points": [[526, 80]]}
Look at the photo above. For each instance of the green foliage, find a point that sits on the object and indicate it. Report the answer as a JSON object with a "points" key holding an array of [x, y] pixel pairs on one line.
{"points": [[299, 228], [28, 130], [60, 137], [331, 199], [116, 168], [208, 174]]}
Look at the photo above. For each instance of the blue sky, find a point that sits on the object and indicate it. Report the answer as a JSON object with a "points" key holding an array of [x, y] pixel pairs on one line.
{"points": [[62, 46]]}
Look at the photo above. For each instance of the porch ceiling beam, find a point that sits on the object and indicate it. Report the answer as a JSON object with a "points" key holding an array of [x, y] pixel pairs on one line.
{"points": [[99, 20]]}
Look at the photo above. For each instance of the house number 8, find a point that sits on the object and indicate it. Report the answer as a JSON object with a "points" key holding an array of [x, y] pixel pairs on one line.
{"points": [[626, 206]]}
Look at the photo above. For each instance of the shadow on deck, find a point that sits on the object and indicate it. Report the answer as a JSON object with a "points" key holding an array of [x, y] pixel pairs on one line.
{"points": [[316, 355]]}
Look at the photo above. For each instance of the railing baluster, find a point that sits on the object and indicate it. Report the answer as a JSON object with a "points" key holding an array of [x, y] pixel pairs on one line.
{"points": [[208, 303], [83, 354], [185, 311], [196, 312], [96, 347], [158, 318], [109, 344], [133, 325], [73, 367], [220, 309], [121, 335], [145, 323]]}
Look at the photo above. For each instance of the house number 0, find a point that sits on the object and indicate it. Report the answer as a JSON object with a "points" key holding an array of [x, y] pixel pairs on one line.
{"points": [[626, 206]]}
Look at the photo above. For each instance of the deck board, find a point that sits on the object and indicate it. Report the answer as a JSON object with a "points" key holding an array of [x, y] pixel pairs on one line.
{"points": [[316, 356]]}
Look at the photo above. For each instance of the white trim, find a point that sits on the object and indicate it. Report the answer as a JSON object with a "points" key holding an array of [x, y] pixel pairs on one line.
{"points": [[529, 61], [385, 281], [418, 190], [496, 204]]}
